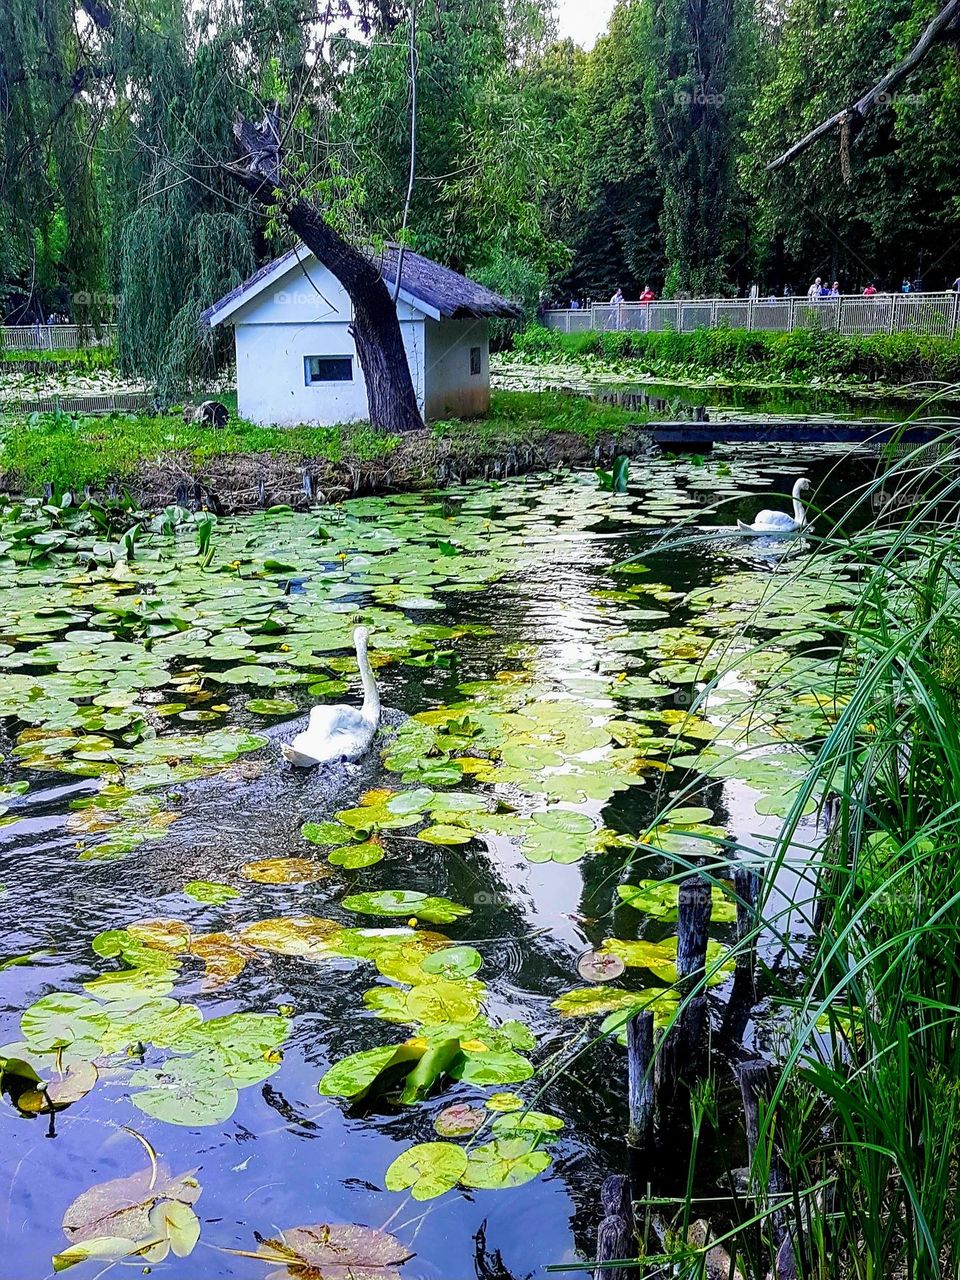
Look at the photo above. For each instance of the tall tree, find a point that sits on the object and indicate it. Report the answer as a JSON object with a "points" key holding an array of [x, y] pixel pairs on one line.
{"points": [[697, 76]]}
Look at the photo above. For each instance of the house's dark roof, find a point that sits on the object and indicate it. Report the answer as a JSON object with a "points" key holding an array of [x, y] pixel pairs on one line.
{"points": [[453, 295]]}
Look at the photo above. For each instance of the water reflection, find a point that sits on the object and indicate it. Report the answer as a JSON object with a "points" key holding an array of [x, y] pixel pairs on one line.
{"points": [[288, 1156]]}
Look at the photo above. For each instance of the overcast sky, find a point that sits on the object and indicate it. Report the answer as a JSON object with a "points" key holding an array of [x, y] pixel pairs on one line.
{"points": [[583, 20]]}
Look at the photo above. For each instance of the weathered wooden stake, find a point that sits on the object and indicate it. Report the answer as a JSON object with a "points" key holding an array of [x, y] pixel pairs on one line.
{"points": [[693, 926], [616, 1238], [681, 1050], [756, 1086], [746, 883], [640, 1079]]}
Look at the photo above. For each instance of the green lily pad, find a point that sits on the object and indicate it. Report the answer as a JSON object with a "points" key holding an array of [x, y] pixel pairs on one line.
{"points": [[406, 902], [506, 1162], [453, 962], [210, 891], [62, 1019], [176, 1094], [429, 1169]]}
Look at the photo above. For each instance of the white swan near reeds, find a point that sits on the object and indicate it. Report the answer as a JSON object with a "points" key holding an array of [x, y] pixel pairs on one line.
{"points": [[778, 521], [339, 732]]}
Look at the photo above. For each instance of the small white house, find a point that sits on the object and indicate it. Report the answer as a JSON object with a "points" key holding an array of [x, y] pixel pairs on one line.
{"points": [[296, 358]]}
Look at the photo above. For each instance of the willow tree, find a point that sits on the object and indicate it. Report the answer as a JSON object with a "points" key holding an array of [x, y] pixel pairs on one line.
{"points": [[50, 54]]}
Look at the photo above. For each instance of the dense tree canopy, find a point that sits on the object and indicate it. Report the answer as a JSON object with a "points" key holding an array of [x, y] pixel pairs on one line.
{"points": [[540, 168]]}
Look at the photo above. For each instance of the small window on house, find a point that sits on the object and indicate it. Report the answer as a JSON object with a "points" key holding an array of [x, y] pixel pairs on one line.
{"points": [[475, 360], [328, 369]]}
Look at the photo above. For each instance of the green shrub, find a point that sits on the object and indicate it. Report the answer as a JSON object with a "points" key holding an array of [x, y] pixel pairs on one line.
{"points": [[896, 358]]}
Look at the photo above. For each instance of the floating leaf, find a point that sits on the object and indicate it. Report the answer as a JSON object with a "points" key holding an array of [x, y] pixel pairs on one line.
{"points": [[504, 1102], [355, 856], [506, 1162], [179, 1094], [336, 1252], [210, 891], [406, 902], [429, 1169], [493, 1068], [354, 1076], [271, 707], [598, 966], [565, 820], [327, 834], [517, 1124], [453, 962], [294, 935], [284, 871], [444, 833], [459, 1120], [61, 1019]]}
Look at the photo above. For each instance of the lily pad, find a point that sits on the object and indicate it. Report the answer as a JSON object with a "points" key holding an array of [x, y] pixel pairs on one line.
{"points": [[284, 871], [210, 891], [459, 1121], [336, 1251], [506, 1162], [429, 1169], [453, 962], [406, 902]]}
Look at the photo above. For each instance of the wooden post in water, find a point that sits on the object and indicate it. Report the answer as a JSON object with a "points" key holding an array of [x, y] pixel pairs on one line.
{"points": [[640, 1079], [682, 1047], [756, 1086], [616, 1238], [746, 884]]}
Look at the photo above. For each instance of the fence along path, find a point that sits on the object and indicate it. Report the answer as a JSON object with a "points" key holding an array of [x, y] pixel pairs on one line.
{"points": [[932, 314], [55, 337]]}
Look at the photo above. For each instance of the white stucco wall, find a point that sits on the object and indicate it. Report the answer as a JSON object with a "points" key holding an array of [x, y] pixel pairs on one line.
{"points": [[451, 390], [271, 383], [305, 311]]}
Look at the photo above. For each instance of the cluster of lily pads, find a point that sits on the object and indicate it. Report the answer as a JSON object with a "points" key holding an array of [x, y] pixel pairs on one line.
{"points": [[145, 662]]}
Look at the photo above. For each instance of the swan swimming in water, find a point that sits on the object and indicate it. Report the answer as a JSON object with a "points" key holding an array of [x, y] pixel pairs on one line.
{"points": [[340, 732], [779, 521]]}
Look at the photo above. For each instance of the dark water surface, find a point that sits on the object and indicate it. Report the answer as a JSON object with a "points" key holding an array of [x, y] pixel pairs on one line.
{"points": [[536, 557]]}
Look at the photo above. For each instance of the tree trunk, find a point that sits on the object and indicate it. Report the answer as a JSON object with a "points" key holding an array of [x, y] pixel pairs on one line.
{"points": [[391, 397]]}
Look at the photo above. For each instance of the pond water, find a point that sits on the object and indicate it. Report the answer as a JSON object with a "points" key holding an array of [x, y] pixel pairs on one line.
{"points": [[724, 402], [193, 938]]}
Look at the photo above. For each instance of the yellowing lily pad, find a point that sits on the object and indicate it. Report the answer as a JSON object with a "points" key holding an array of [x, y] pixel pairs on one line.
{"points": [[284, 871]]}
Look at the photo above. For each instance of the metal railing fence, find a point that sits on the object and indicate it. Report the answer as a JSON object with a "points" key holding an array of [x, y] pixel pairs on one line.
{"points": [[55, 337], [931, 314]]}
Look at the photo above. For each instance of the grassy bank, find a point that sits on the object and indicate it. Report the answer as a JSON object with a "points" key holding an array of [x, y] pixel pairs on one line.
{"points": [[890, 360], [81, 360], [151, 454]]}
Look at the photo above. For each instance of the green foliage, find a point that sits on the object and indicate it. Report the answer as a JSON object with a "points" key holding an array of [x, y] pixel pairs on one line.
{"points": [[800, 355]]}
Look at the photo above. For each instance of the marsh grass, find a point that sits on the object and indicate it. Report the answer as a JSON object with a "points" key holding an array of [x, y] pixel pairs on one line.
{"points": [[865, 1114]]}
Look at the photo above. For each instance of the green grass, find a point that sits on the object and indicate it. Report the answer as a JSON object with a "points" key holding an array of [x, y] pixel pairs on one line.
{"points": [[72, 452], [81, 360]]}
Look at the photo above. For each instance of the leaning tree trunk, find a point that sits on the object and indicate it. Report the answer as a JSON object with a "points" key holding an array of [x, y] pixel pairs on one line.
{"points": [[391, 397]]}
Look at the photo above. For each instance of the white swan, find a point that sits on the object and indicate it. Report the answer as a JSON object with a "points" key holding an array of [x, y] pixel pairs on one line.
{"points": [[779, 521], [340, 732]]}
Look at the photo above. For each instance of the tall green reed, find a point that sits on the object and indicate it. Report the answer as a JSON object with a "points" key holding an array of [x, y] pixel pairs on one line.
{"points": [[865, 1114]]}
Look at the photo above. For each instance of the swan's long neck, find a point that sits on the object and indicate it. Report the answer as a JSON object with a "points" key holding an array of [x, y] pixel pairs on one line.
{"points": [[799, 514], [371, 695]]}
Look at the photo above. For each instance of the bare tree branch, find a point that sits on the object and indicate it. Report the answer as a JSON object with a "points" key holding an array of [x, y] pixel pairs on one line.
{"points": [[945, 27]]}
